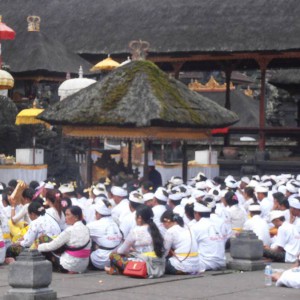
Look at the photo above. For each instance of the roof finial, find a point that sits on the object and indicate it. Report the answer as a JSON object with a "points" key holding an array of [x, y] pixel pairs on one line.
{"points": [[80, 73], [139, 49], [33, 23]]}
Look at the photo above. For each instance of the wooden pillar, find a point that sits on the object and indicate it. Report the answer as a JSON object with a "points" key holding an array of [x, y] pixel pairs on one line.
{"points": [[129, 159], [146, 168], [177, 67], [228, 71], [263, 63], [89, 164], [184, 162]]}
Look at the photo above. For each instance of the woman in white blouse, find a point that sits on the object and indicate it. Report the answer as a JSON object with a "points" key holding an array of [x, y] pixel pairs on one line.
{"points": [[75, 240], [180, 244], [55, 210], [41, 224], [143, 240]]}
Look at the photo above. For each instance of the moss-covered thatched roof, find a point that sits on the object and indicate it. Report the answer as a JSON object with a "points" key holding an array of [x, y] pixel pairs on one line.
{"points": [[138, 94]]}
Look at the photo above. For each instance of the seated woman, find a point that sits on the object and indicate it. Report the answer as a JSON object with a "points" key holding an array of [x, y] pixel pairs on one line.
{"points": [[41, 224], [289, 278], [76, 241], [181, 245], [145, 239], [105, 234], [55, 210]]}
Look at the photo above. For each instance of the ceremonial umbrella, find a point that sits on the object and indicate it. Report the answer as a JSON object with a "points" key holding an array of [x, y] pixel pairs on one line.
{"points": [[6, 33], [28, 117], [106, 64], [138, 101]]}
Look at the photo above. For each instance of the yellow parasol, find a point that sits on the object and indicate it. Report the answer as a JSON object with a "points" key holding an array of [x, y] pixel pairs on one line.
{"points": [[28, 117], [106, 64]]}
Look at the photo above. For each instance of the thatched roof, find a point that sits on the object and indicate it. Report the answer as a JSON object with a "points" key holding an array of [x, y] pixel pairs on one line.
{"points": [[170, 26], [35, 51], [138, 95], [286, 77], [244, 106]]}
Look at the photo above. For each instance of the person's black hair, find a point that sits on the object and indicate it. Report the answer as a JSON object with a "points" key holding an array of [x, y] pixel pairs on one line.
{"points": [[210, 199], [65, 203], [175, 202], [146, 213], [3, 186], [231, 198], [135, 205], [13, 183], [54, 197], [28, 193], [77, 212], [279, 197], [170, 216], [33, 184], [148, 185], [7, 192], [36, 208], [81, 191], [189, 210], [39, 200], [218, 180], [160, 202], [250, 192]]}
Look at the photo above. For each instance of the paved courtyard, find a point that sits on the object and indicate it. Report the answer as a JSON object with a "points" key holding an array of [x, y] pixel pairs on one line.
{"points": [[213, 285]]}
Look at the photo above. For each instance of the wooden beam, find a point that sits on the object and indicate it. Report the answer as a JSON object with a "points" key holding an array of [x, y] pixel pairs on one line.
{"points": [[224, 56]]}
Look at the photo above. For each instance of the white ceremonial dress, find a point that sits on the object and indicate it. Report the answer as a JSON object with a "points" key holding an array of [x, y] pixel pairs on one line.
{"points": [[75, 236], [60, 219], [107, 236], [43, 225]]}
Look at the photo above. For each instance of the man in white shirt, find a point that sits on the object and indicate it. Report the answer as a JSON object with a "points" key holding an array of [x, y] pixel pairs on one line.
{"points": [[211, 246], [129, 221], [258, 225], [122, 204], [286, 247], [159, 207], [265, 204], [295, 212]]}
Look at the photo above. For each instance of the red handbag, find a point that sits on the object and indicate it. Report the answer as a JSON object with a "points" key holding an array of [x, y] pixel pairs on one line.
{"points": [[136, 269]]}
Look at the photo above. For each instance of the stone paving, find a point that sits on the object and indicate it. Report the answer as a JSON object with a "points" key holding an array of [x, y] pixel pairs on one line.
{"points": [[212, 285]]}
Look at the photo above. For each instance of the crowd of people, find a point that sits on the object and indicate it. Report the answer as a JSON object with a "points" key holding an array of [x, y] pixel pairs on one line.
{"points": [[186, 227]]}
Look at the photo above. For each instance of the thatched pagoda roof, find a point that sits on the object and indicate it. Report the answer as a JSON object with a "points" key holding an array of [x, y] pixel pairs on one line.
{"points": [[171, 26], [33, 52], [244, 106], [286, 78], [138, 95]]}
